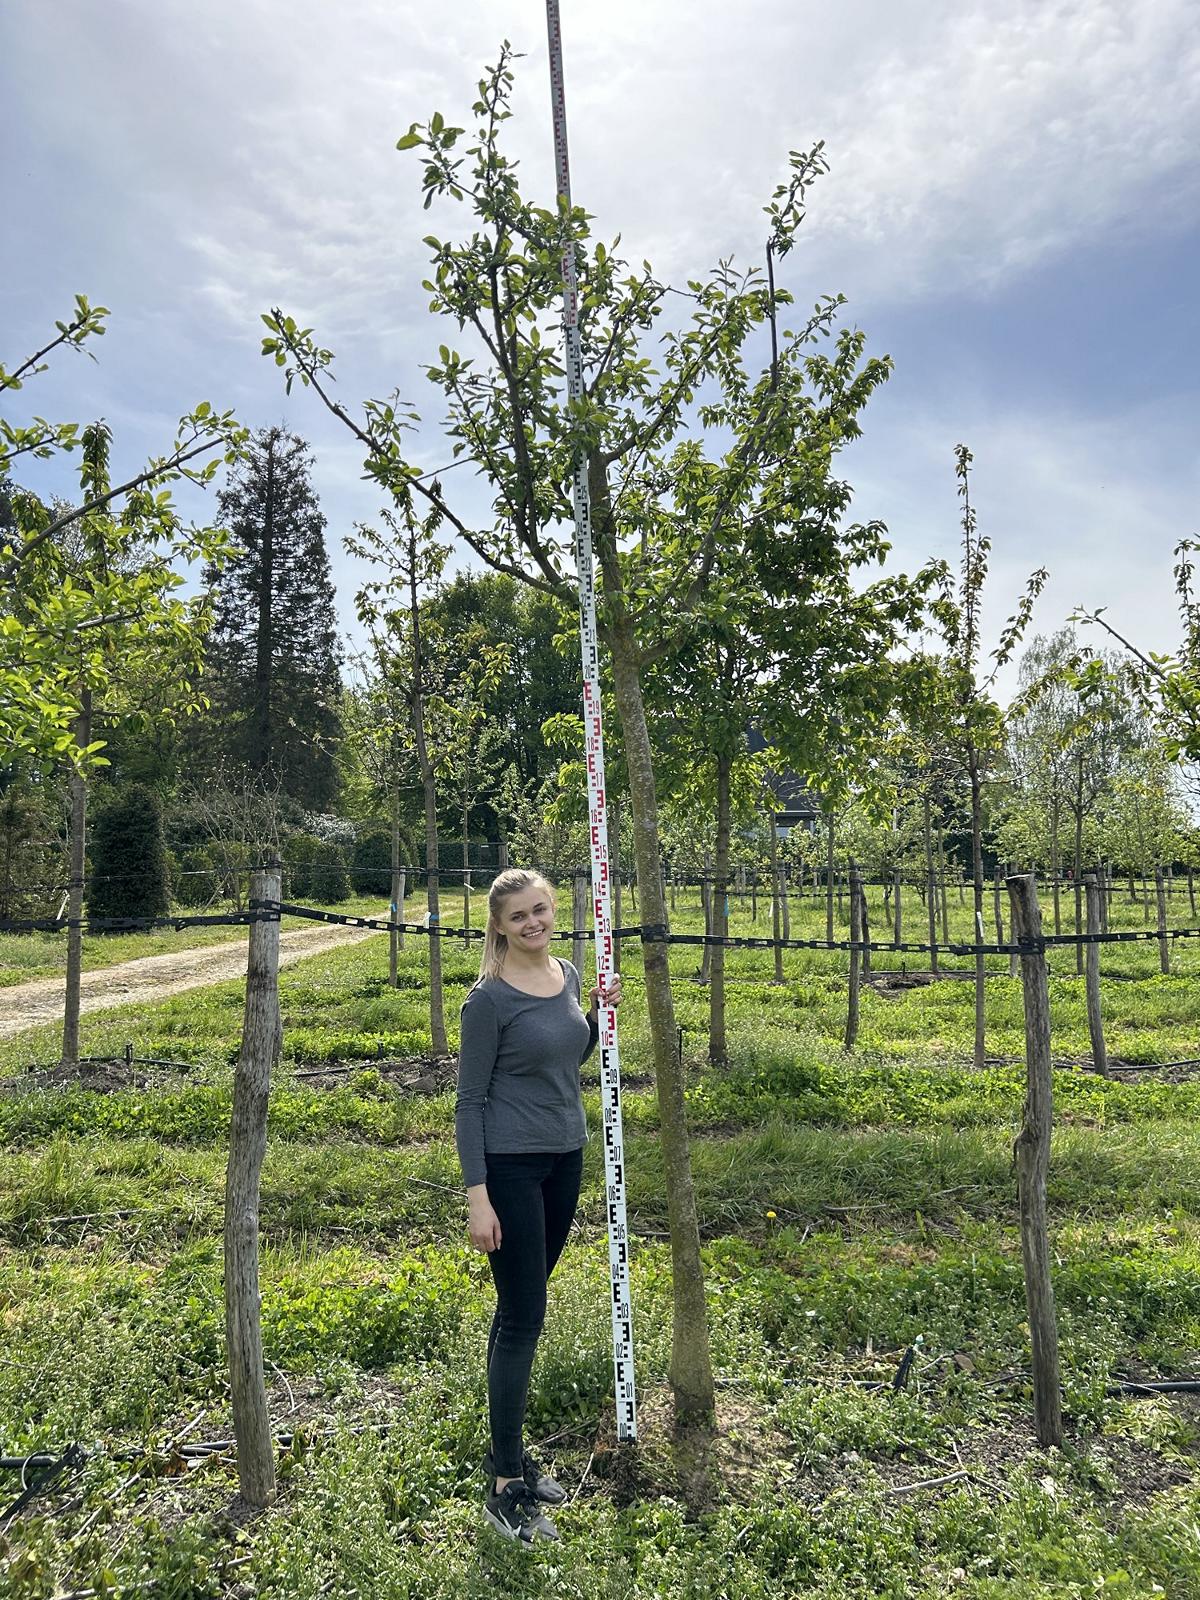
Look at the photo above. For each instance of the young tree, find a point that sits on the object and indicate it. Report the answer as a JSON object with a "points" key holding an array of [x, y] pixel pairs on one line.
{"points": [[391, 609], [56, 618], [376, 721], [974, 722], [502, 287], [1062, 754], [273, 654], [1166, 686], [96, 555]]}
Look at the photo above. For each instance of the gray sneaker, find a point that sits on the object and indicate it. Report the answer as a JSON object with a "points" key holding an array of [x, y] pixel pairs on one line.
{"points": [[516, 1514], [540, 1484]]}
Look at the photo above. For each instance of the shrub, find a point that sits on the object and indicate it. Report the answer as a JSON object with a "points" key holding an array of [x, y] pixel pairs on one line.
{"points": [[128, 858], [196, 882], [372, 860], [316, 870]]}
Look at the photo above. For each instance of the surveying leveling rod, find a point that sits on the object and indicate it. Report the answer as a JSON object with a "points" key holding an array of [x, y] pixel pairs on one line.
{"points": [[610, 1070]]}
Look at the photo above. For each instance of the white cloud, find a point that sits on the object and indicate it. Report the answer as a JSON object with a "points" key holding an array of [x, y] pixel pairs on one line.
{"points": [[190, 168], [1099, 502]]}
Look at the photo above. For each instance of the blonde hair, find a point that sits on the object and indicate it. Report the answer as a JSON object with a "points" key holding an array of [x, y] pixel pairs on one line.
{"points": [[513, 880]]}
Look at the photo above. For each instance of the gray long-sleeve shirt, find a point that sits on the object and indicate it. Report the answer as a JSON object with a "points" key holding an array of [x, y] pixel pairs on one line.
{"points": [[519, 1057]]}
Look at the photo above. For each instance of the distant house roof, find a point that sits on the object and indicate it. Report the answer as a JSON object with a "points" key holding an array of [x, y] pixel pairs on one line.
{"points": [[795, 802]]}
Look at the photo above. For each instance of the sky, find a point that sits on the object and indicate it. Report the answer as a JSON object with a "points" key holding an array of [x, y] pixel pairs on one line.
{"points": [[1011, 211]]}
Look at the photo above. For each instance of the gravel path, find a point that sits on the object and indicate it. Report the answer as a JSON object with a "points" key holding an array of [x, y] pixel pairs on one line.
{"points": [[152, 978]]}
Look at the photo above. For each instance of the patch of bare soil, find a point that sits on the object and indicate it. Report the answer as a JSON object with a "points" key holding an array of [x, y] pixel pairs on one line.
{"points": [[701, 1470], [748, 1455], [408, 1074], [104, 1077], [153, 978], [1124, 1473]]}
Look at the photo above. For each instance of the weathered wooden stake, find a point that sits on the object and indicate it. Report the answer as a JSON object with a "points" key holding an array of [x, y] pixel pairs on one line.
{"points": [[1092, 979], [855, 958], [262, 1038], [1032, 1151], [1164, 948]]}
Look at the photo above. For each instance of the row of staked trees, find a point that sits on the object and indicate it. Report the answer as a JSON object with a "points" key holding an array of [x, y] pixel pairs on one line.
{"points": [[733, 591]]}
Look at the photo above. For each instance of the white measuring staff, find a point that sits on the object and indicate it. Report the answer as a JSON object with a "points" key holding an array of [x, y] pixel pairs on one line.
{"points": [[610, 1069]]}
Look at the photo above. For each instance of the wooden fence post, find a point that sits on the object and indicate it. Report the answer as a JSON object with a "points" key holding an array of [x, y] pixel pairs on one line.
{"points": [[1164, 951], [855, 958], [1092, 980], [580, 882], [1032, 1151], [262, 1038]]}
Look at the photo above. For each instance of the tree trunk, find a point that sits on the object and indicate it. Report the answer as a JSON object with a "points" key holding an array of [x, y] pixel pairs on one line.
{"points": [[262, 1038], [579, 915], [1032, 1151], [852, 993], [829, 876], [78, 792], [466, 883], [690, 1369], [1191, 883], [977, 902], [864, 925], [718, 1049], [1092, 981], [396, 937], [897, 909], [264, 633], [437, 1011], [1055, 862], [1078, 881], [776, 917], [931, 889], [1164, 949], [706, 901], [614, 858]]}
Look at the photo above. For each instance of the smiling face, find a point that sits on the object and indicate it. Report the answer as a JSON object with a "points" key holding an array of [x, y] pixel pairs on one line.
{"points": [[526, 919]]}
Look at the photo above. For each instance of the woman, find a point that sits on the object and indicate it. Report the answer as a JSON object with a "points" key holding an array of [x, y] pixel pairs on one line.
{"points": [[520, 1130]]}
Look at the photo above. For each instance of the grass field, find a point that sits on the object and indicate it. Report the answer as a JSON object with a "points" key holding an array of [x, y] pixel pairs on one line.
{"points": [[851, 1207]]}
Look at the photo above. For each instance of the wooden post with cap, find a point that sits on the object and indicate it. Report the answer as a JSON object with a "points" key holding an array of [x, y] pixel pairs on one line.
{"points": [[1032, 1151]]}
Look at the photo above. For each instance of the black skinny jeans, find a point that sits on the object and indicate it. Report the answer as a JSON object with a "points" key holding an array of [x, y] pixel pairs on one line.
{"points": [[534, 1197]]}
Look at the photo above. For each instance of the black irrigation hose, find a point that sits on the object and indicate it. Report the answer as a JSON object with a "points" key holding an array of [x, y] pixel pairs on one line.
{"points": [[1176, 1386], [49, 1468]]}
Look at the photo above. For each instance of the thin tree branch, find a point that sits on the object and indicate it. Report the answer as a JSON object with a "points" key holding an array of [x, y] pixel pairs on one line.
{"points": [[152, 475]]}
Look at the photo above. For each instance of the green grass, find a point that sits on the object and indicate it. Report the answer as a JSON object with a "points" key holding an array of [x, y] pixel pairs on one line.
{"points": [[851, 1206]]}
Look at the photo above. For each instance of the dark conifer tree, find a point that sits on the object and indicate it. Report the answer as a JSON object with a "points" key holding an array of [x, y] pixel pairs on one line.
{"points": [[273, 652]]}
